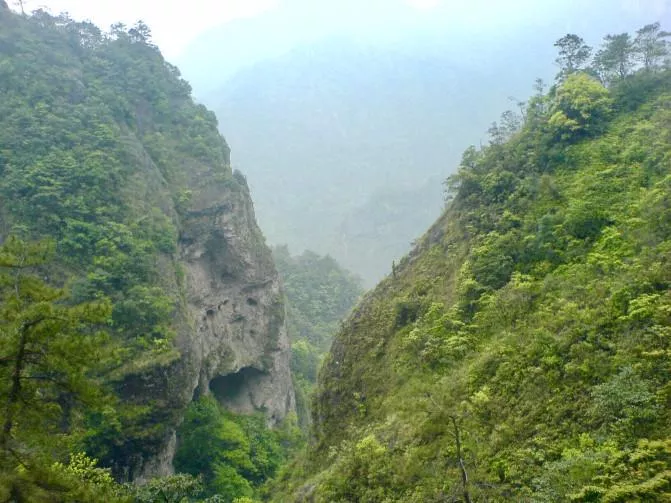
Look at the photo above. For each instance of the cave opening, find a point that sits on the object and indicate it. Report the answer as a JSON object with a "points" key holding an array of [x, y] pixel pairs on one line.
{"points": [[235, 391]]}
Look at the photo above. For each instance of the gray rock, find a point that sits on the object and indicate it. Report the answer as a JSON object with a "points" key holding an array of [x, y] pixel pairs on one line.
{"points": [[231, 331]]}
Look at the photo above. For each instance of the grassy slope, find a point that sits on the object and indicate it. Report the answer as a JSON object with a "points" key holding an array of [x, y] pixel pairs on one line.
{"points": [[533, 320]]}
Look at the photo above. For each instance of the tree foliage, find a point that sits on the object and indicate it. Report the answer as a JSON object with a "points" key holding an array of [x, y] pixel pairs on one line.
{"points": [[51, 350], [581, 108], [616, 59], [651, 45], [320, 293], [235, 455], [573, 56]]}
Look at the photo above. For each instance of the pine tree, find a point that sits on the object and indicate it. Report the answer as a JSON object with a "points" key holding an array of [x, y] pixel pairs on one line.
{"points": [[651, 45], [49, 348], [573, 54]]}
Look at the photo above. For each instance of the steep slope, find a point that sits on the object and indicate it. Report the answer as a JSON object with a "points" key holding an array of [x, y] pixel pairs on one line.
{"points": [[320, 293], [521, 351], [103, 150]]}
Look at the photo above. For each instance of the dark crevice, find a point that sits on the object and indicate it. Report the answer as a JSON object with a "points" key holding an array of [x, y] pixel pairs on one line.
{"points": [[234, 390]]}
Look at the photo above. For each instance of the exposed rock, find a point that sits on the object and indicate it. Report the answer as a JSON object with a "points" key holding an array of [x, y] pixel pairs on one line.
{"points": [[234, 342], [231, 331], [240, 346]]}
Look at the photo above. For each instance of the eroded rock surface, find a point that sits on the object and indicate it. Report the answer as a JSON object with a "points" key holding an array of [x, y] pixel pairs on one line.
{"points": [[240, 345], [231, 332]]}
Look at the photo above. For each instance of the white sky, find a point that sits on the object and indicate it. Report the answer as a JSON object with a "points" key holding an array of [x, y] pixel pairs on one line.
{"points": [[174, 23]]}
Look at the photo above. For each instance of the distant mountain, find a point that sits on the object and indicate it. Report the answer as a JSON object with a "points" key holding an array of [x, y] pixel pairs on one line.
{"points": [[323, 129], [384, 101]]}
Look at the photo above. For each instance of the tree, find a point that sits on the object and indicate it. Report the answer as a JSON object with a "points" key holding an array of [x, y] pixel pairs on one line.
{"points": [[21, 4], [650, 45], [456, 421], [615, 59], [581, 107], [510, 124], [47, 348], [178, 488], [215, 447], [140, 32], [573, 54]]}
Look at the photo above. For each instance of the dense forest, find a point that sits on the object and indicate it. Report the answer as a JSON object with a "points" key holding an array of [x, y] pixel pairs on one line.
{"points": [[320, 294], [520, 352]]}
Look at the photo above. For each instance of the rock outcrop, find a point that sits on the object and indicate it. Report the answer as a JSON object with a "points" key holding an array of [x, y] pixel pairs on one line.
{"points": [[240, 345], [231, 336]]}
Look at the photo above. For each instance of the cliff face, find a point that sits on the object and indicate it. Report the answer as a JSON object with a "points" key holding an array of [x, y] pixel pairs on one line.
{"points": [[105, 152], [239, 343], [233, 340], [232, 336]]}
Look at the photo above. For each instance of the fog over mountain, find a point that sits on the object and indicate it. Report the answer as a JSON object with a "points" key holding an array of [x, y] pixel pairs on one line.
{"points": [[331, 109]]}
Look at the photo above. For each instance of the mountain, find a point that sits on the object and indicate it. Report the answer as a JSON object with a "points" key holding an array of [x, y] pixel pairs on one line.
{"points": [[327, 106], [323, 131], [520, 351], [133, 277]]}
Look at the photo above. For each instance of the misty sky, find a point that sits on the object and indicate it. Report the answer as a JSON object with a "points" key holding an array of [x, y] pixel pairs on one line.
{"points": [[176, 23]]}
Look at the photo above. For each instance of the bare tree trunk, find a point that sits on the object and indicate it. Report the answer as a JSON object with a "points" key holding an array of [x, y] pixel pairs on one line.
{"points": [[20, 3], [460, 459]]}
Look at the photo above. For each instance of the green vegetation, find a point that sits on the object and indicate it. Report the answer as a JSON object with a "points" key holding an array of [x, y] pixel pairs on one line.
{"points": [[319, 294], [101, 149], [75, 136], [233, 454], [50, 351], [522, 351]]}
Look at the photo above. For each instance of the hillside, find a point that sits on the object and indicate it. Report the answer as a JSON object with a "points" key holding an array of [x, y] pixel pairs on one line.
{"points": [[135, 286], [521, 351], [320, 293]]}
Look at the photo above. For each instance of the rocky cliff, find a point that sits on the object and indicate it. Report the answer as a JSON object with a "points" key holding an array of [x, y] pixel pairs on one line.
{"points": [[239, 344], [232, 337], [103, 151]]}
